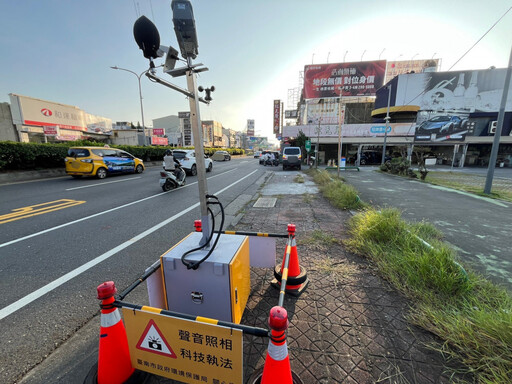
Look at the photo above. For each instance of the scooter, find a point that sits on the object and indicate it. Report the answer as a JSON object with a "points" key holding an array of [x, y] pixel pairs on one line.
{"points": [[172, 179]]}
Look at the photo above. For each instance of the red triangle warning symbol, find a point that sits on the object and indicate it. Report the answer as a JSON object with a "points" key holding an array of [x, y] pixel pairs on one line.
{"points": [[152, 340]]}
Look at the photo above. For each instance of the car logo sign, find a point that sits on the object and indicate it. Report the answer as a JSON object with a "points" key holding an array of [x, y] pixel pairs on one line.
{"points": [[46, 112]]}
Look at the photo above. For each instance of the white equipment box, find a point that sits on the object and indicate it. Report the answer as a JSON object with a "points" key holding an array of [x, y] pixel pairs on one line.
{"points": [[219, 288]]}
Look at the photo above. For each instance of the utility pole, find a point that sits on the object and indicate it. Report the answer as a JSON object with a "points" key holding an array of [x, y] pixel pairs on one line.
{"points": [[386, 128], [497, 134]]}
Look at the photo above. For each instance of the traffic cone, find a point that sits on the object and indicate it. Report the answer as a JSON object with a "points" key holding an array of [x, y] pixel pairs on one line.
{"points": [[114, 365], [277, 367], [297, 279]]}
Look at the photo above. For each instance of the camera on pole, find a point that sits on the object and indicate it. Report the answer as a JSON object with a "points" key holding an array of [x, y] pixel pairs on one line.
{"points": [[185, 28]]}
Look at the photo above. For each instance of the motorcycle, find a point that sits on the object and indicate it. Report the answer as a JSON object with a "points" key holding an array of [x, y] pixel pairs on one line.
{"points": [[172, 179], [271, 162]]}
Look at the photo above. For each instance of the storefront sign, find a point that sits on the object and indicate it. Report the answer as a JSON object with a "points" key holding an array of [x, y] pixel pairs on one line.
{"points": [[158, 131], [51, 130], [155, 140], [277, 116]]}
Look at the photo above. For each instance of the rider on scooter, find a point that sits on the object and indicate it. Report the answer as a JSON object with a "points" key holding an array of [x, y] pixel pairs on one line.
{"points": [[170, 164]]}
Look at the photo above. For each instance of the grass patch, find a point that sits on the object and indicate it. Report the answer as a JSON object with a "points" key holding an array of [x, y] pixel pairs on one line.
{"points": [[471, 314], [298, 179], [308, 198], [470, 183], [318, 240], [338, 268], [340, 194]]}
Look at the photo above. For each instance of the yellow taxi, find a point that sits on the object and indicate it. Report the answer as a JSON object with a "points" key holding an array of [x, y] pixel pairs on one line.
{"points": [[100, 162]]}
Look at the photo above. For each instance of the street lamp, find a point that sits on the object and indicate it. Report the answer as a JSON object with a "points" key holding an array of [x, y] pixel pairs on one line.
{"points": [[386, 128], [140, 96]]}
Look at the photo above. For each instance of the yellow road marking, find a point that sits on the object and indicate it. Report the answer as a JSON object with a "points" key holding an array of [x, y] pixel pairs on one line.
{"points": [[38, 209]]}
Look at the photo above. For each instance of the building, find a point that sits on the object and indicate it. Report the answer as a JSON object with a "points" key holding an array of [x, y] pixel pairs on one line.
{"points": [[454, 114], [40, 121], [212, 133], [172, 129]]}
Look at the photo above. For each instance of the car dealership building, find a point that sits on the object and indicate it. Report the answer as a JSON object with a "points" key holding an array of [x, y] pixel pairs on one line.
{"points": [[454, 114]]}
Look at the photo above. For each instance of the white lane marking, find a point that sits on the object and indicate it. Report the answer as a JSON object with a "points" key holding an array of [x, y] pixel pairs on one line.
{"points": [[6, 311], [99, 184], [100, 213]]}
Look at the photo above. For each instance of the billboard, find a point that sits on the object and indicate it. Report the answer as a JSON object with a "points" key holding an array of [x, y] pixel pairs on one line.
{"points": [[158, 131], [277, 116], [348, 79], [458, 91], [250, 127], [442, 127], [290, 114], [395, 68]]}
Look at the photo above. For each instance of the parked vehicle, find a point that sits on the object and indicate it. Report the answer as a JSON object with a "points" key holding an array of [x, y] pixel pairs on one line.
{"points": [[100, 162], [187, 159], [292, 157], [442, 124], [257, 154], [221, 156], [172, 179], [369, 158]]}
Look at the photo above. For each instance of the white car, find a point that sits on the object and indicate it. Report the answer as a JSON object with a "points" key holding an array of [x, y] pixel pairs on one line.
{"points": [[187, 159]]}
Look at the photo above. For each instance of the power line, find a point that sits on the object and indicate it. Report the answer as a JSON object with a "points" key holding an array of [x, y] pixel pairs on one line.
{"points": [[489, 30]]}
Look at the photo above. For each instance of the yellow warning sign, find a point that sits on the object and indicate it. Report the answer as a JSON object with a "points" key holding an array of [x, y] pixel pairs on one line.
{"points": [[184, 350]]}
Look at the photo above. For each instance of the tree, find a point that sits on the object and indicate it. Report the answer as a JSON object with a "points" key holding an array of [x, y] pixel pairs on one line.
{"points": [[421, 155], [300, 141]]}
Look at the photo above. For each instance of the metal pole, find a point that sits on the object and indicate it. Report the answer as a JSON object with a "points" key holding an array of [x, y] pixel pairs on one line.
{"points": [[386, 129], [339, 136], [142, 110], [195, 122], [317, 148], [501, 116], [140, 97]]}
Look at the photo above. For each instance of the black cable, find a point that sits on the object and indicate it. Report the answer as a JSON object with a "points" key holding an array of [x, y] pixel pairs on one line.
{"points": [[196, 264]]}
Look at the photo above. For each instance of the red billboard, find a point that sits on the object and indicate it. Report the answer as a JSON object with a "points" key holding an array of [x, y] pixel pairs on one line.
{"points": [[361, 78], [277, 116], [158, 131]]}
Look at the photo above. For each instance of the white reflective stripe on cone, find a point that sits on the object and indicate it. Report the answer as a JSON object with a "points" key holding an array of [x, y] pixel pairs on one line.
{"points": [[294, 244], [110, 319], [277, 352]]}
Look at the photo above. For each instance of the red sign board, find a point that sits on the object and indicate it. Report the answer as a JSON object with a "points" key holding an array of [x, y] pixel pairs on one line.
{"points": [[155, 140], [345, 79], [51, 130], [158, 131], [277, 116]]}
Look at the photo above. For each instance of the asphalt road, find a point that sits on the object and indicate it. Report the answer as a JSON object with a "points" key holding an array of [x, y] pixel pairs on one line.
{"points": [[60, 238], [478, 228]]}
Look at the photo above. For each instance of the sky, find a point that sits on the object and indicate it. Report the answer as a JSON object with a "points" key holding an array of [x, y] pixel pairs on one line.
{"points": [[62, 51]]}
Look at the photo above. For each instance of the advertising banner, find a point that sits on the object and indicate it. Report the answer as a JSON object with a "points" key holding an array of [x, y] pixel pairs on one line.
{"points": [[348, 79], [51, 130], [442, 127], [250, 127], [158, 131], [458, 91], [184, 115], [351, 130], [277, 116], [395, 68], [323, 111], [155, 140]]}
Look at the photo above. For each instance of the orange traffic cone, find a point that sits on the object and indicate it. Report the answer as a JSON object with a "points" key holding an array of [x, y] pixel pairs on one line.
{"points": [[297, 279], [277, 367], [114, 365]]}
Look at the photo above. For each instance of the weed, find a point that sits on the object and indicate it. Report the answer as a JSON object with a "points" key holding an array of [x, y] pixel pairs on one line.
{"points": [[341, 195], [319, 240], [471, 314], [337, 268], [298, 179]]}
